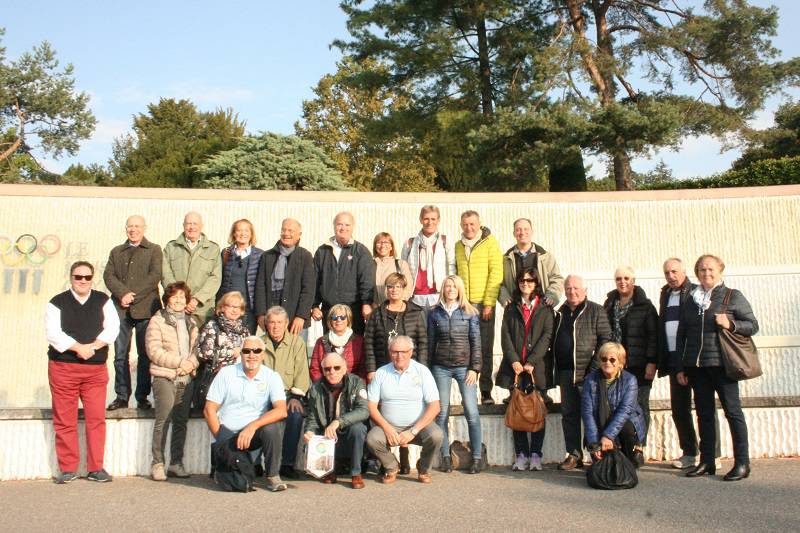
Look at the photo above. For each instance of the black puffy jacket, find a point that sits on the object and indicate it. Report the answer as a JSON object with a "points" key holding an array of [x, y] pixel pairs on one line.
{"points": [[454, 340], [591, 331], [376, 334], [538, 342], [639, 328]]}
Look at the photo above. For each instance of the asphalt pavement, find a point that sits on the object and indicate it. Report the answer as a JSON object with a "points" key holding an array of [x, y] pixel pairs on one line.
{"points": [[495, 500]]}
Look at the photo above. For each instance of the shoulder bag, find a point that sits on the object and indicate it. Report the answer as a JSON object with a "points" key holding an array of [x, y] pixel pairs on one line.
{"points": [[525, 412], [739, 353]]}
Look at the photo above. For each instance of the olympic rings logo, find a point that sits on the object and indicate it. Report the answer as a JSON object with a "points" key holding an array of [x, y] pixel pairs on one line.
{"points": [[27, 248]]}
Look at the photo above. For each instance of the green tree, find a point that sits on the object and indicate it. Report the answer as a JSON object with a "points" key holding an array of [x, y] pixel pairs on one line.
{"points": [[272, 162], [781, 140], [39, 104], [92, 174], [169, 141]]}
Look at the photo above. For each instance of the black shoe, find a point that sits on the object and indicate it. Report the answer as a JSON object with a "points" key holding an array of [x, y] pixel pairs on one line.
{"points": [[475, 467], [288, 471], [486, 398], [373, 467], [405, 467], [638, 459], [259, 469], [446, 465], [739, 471], [144, 404], [117, 404], [701, 469]]}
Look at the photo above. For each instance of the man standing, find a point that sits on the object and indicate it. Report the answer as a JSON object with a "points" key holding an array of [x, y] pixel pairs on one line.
{"points": [[247, 402], [196, 261], [527, 254], [430, 257], [80, 323], [403, 404], [132, 275], [337, 408], [581, 328], [479, 263], [286, 277], [286, 354], [345, 274]]}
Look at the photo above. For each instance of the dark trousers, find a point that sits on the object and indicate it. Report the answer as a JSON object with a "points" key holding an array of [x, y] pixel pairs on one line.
{"points": [[172, 402], [643, 395], [680, 398], [430, 438], [267, 441], [570, 412], [528, 443], [705, 381], [485, 382], [350, 445], [122, 372], [291, 438], [358, 318]]}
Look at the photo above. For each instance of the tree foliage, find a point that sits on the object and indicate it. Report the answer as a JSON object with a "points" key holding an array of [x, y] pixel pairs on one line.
{"points": [[272, 162], [781, 140], [783, 171]]}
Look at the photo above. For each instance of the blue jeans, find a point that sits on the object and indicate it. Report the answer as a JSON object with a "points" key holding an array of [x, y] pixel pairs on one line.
{"points": [[122, 372], [469, 399]]}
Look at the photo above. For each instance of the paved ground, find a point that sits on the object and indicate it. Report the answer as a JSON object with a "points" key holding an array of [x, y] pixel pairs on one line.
{"points": [[496, 500]]}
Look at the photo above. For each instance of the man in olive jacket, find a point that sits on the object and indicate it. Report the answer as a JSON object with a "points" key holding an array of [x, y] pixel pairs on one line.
{"points": [[132, 275], [337, 408], [196, 261]]}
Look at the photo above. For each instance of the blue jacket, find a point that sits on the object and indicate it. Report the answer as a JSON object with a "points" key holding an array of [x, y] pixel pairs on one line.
{"points": [[252, 272], [622, 401], [454, 340]]}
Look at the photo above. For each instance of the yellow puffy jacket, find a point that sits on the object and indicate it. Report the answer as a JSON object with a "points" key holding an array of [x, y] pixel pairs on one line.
{"points": [[483, 272]]}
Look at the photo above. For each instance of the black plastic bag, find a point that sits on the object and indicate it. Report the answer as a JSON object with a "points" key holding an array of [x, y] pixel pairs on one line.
{"points": [[613, 472], [234, 470]]}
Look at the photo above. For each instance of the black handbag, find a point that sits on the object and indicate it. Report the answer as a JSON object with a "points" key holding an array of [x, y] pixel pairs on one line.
{"points": [[613, 472], [234, 470], [739, 352]]}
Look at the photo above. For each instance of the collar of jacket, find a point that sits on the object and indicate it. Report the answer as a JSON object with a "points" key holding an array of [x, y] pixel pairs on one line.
{"points": [[581, 306], [277, 247], [202, 242], [285, 341], [169, 320], [144, 243], [639, 296], [686, 286], [536, 248]]}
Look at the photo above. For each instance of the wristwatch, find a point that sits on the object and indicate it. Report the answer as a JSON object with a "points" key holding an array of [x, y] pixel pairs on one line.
{"points": [[414, 431]]}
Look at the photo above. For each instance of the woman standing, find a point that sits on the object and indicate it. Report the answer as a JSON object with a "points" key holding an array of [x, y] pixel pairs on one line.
{"points": [[454, 352], [240, 266], [386, 262], [700, 363], [340, 339], [525, 338], [171, 338]]}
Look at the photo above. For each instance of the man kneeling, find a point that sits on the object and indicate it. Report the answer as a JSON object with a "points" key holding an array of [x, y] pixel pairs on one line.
{"points": [[403, 403], [337, 408], [247, 402]]}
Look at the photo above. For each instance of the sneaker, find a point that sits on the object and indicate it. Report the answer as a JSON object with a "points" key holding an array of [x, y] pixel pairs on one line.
{"points": [[177, 471], [65, 477], [536, 462], [717, 464], [158, 473], [275, 484], [373, 467], [520, 464], [101, 476], [486, 398], [685, 461]]}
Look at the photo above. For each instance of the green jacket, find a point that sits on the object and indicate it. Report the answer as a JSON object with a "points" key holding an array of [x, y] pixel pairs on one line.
{"points": [[483, 271], [290, 361], [200, 269], [549, 275], [353, 406]]}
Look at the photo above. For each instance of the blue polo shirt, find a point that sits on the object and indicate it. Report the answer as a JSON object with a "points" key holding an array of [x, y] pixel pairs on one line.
{"points": [[403, 397], [241, 399]]}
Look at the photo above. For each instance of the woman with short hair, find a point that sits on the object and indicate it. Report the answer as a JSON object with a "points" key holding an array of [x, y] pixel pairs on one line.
{"points": [[341, 340], [220, 340]]}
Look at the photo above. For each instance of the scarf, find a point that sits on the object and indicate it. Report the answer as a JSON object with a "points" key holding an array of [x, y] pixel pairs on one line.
{"points": [[182, 330], [426, 255], [702, 297], [527, 309], [469, 244], [331, 398], [279, 272], [619, 314], [338, 341], [234, 329]]}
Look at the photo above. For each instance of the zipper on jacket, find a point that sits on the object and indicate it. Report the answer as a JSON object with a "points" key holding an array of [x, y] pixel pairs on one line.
{"points": [[575, 347]]}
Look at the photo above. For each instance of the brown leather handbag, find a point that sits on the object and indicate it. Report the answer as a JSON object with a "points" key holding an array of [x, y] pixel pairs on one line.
{"points": [[525, 412], [739, 353]]}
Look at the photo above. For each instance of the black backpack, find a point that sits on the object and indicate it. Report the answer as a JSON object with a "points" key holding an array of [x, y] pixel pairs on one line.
{"points": [[234, 470]]}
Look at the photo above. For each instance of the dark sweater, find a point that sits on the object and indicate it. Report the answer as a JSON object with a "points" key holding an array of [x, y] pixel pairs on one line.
{"points": [[81, 322]]}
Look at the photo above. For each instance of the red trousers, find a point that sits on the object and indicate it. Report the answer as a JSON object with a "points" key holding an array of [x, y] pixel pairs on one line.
{"points": [[68, 382]]}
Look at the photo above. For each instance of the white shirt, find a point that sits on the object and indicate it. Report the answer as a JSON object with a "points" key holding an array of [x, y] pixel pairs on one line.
{"points": [[63, 342]]}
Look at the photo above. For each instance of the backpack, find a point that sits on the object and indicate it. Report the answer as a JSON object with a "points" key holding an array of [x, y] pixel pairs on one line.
{"points": [[234, 470]]}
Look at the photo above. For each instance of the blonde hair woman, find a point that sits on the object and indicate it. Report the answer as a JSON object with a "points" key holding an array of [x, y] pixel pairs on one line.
{"points": [[240, 267]]}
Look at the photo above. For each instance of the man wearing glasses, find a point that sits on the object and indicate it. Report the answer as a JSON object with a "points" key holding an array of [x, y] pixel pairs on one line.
{"points": [[337, 408], [403, 404], [80, 323], [247, 402]]}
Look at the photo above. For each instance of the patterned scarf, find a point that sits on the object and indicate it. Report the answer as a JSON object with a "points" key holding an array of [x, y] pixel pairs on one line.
{"points": [[702, 297], [619, 314]]}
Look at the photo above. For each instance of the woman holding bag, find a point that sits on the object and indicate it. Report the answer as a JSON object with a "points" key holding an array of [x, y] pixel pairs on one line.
{"points": [[525, 338], [699, 362]]}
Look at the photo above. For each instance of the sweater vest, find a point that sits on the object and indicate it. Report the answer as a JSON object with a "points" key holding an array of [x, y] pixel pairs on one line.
{"points": [[81, 322]]}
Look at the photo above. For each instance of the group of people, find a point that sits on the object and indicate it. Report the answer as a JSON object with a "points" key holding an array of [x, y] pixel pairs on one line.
{"points": [[397, 331]]}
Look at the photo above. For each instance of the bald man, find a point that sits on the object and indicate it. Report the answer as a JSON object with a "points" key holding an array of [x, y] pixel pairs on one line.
{"points": [[132, 275]]}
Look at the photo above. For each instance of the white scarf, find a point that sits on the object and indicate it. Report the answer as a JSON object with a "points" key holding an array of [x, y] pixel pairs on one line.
{"points": [[469, 243], [702, 297], [338, 341], [426, 258]]}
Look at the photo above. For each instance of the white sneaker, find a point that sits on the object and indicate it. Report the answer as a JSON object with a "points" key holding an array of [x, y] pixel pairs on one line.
{"points": [[157, 472], [717, 464], [521, 463], [536, 462], [685, 461]]}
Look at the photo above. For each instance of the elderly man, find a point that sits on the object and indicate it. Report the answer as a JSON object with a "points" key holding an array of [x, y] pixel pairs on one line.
{"points": [[345, 274], [337, 408], [196, 261], [403, 404], [132, 275], [581, 328], [528, 254], [247, 402], [286, 355], [479, 263], [286, 277], [430, 257], [80, 323]]}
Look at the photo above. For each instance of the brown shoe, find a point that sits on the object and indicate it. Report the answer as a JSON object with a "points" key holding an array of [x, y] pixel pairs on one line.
{"points": [[330, 479], [389, 477], [357, 482], [570, 463], [424, 478]]}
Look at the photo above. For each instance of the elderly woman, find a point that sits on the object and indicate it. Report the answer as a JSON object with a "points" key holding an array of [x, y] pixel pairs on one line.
{"points": [[220, 340], [386, 263], [171, 337], [240, 266], [340, 339], [609, 408], [454, 352], [634, 324], [698, 362], [525, 338]]}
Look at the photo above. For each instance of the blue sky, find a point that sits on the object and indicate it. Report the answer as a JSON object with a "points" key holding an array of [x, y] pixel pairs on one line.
{"points": [[260, 58]]}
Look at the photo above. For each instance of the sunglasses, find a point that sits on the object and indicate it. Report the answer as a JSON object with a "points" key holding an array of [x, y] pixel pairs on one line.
{"points": [[248, 351], [331, 368], [526, 280], [334, 318], [78, 277], [608, 360]]}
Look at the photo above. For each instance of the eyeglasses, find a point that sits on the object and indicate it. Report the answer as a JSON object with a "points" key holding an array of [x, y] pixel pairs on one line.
{"points": [[78, 277], [526, 280], [395, 287], [398, 353], [331, 368], [248, 351], [334, 318], [611, 360]]}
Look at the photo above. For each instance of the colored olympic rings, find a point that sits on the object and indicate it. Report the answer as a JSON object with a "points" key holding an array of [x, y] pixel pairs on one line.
{"points": [[28, 248]]}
